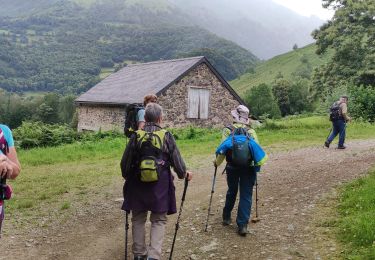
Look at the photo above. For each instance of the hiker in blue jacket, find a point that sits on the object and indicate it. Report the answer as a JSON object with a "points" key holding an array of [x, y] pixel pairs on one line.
{"points": [[240, 175]]}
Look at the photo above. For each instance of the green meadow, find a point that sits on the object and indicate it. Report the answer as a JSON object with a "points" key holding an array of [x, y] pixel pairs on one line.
{"points": [[57, 181]]}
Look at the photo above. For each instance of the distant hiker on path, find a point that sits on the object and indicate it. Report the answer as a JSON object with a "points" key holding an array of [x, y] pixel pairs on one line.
{"points": [[9, 166], [141, 113], [339, 117], [146, 168], [244, 157], [135, 115]]}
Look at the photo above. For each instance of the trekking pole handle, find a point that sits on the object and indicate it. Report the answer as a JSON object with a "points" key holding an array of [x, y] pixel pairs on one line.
{"points": [[214, 180], [185, 188]]}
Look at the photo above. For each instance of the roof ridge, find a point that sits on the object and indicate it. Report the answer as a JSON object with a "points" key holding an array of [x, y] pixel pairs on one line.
{"points": [[165, 61]]}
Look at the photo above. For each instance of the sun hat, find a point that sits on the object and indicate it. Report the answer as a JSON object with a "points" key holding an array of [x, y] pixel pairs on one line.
{"points": [[241, 115]]}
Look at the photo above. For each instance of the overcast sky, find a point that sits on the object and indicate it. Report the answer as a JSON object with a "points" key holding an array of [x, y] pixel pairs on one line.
{"points": [[307, 8]]}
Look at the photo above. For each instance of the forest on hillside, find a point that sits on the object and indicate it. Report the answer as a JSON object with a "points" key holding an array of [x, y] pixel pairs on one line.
{"points": [[65, 46]]}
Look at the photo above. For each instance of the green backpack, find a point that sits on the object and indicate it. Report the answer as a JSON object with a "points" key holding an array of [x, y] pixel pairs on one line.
{"points": [[149, 150]]}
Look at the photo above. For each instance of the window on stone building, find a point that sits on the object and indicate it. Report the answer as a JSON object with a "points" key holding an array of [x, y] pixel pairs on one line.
{"points": [[198, 101]]}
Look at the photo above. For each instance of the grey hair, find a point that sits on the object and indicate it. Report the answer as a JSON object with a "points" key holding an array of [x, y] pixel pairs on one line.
{"points": [[153, 112]]}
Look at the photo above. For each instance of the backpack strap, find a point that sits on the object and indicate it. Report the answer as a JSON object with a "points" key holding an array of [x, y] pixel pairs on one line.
{"points": [[230, 127], [159, 137]]}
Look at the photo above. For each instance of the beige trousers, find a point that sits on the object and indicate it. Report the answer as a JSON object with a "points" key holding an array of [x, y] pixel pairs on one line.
{"points": [[158, 222]]}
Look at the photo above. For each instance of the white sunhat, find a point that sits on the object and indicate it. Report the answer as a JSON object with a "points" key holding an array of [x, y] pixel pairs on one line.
{"points": [[241, 115]]}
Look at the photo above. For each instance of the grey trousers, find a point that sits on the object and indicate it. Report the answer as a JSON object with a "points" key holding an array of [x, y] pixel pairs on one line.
{"points": [[158, 221]]}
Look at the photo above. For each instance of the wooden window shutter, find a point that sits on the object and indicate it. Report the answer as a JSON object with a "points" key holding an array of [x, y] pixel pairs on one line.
{"points": [[204, 99], [193, 103]]}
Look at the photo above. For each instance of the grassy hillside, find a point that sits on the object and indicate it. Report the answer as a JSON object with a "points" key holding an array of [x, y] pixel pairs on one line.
{"points": [[299, 61]]}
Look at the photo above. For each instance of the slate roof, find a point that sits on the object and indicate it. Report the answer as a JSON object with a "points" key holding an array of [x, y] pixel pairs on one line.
{"points": [[130, 84]]}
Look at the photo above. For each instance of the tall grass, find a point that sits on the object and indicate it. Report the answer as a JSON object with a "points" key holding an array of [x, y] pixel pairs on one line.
{"points": [[356, 226]]}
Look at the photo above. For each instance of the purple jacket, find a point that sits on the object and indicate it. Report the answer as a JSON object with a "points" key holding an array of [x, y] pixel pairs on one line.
{"points": [[158, 197]]}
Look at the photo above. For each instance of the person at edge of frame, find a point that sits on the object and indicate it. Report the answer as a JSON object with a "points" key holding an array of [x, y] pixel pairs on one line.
{"points": [[10, 166]]}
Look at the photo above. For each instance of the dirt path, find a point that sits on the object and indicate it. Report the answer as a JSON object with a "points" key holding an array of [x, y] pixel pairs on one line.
{"points": [[290, 186]]}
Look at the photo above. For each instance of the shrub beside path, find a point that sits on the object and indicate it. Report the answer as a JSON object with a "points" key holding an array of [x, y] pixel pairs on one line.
{"points": [[290, 187]]}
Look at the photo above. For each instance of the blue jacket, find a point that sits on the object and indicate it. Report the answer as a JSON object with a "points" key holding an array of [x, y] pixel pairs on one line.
{"points": [[257, 152]]}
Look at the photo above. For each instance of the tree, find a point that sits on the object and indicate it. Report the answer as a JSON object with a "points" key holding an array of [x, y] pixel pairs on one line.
{"points": [[48, 111], [300, 97], [362, 104], [67, 108], [281, 89], [261, 101], [351, 33], [295, 47]]}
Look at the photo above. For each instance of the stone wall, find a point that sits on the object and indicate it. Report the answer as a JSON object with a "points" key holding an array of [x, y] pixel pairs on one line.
{"points": [[175, 100], [93, 118]]}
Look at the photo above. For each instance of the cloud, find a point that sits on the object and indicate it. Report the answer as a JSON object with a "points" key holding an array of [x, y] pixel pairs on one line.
{"points": [[307, 8]]}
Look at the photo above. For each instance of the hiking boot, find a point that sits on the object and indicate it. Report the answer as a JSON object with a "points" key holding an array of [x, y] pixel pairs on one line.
{"points": [[341, 147], [242, 231], [326, 144], [226, 221], [140, 257]]}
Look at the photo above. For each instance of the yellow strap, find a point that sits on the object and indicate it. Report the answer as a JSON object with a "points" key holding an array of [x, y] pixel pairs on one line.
{"points": [[161, 134]]}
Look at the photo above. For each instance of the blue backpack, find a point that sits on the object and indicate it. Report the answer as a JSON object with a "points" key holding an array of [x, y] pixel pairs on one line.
{"points": [[241, 155]]}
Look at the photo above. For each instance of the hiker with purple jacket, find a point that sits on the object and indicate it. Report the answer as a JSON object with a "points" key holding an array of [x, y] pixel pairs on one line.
{"points": [[146, 168]]}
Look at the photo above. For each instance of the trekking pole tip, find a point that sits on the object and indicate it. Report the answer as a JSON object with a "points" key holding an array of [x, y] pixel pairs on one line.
{"points": [[255, 220]]}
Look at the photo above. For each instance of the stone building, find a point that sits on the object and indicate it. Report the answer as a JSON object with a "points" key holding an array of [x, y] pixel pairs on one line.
{"points": [[191, 91]]}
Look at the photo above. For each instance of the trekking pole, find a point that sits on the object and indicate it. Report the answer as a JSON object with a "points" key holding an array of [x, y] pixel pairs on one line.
{"points": [[126, 233], [212, 193], [179, 215], [2, 199], [256, 219]]}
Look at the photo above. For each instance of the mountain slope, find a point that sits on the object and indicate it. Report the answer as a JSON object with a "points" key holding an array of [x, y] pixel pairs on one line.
{"points": [[262, 26], [64, 45], [300, 62], [18, 8]]}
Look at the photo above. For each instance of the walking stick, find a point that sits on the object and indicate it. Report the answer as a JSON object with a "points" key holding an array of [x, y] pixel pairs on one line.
{"points": [[179, 215], [2, 199], [126, 233], [212, 193], [256, 219]]}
